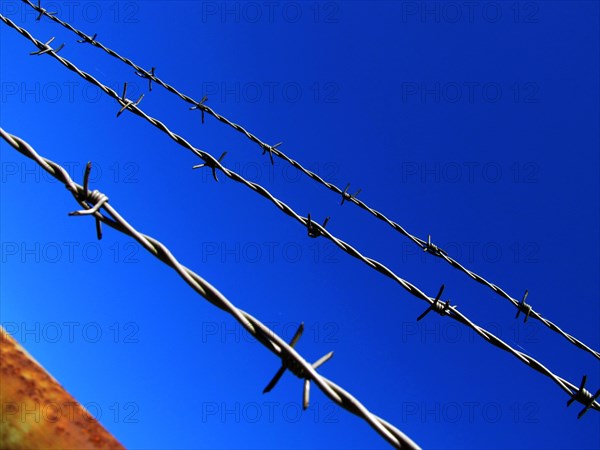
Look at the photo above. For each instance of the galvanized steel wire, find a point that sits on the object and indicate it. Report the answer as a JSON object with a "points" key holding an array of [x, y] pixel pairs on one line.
{"points": [[579, 394], [426, 245], [94, 202]]}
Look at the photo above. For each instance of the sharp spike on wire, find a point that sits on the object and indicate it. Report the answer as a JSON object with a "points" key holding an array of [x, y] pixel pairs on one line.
{"points": [[43, 11], [87, 39], [199, 106], [128, 103], [94, 196], [212, 165], [523, 307]]}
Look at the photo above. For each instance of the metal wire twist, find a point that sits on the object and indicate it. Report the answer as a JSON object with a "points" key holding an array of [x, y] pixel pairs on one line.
{"points": [[273, 150], [317, 230], [261, 332]]}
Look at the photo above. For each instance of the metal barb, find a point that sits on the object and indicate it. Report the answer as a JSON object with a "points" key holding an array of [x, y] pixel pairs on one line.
{"points": [[148, 75], [87, 39], [440, 307], [199, 105], [524, 307], [583, 396], [43, 11], [212, 165], [314, 231], [430, 247], [96, 197], [347, 196], [269, 148], [45, 48], [292, 365], [128, 103]]}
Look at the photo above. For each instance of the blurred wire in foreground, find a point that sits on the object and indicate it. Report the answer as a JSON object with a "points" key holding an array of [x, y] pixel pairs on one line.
{"points": [[426, 245], [37, 412], [93, 202], [314, 229]]}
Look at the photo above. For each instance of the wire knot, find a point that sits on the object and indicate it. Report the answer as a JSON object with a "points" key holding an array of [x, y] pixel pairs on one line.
{"points": [[433, 249], [524, 307], [442, 308], [290, 363], [42, 11], [87, 39], [212, 164], [148, 75], [200, 106], [270, 148], [95, 198], [347, 196], [584, 397], [126, 102], [293, 366], [45, 48], [313, 230]]}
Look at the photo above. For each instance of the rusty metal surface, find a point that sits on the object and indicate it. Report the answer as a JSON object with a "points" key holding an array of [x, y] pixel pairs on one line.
{"points": [[36, 412]]}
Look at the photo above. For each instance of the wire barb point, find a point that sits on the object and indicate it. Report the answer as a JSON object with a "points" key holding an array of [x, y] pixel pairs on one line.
{"points": [[313, 230], [440, 307], [45, 48], [126, 102], [148, 75], [96, 198], [291, 364], [270, 148], [347, 196], [200, 106], [86, 38], [43, 11], [433, 249], [583, 396], [524, 307], [212, 165]]}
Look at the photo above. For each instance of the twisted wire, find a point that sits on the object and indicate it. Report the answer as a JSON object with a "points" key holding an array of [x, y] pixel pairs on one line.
{"points": [[261, 332], [317, 229], [423, 244]]}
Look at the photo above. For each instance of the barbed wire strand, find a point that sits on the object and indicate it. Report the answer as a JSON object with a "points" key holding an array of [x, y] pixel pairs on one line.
{"points": [[316, 229], [272, 149], [90, 200]]}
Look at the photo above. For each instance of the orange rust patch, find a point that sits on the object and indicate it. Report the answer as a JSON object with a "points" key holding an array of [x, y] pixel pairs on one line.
{"points": [[35, 410]]}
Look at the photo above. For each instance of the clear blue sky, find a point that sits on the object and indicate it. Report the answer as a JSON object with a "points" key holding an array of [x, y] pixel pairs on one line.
{"points": [[475, 124]]}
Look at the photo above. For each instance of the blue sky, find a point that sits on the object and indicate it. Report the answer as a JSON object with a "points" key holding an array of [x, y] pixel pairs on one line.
{"points": [[476, 123]]}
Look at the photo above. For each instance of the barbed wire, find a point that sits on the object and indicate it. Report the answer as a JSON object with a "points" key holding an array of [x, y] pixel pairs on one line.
{"points": [[316, 230], [426, 245], [94, 201]]}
